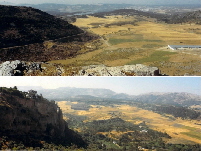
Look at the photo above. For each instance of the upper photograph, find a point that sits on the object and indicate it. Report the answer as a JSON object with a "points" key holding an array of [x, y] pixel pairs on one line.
{"points": [[100, 38]]}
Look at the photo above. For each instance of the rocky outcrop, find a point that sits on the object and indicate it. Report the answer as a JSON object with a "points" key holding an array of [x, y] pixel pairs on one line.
{"points": [[127, 70], [20, 68], [32, 120], [17, 68]]}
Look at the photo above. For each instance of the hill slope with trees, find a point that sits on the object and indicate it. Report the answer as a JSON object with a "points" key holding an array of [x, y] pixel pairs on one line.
{"points": [[31, 120], [23, 31], [26, 25]]}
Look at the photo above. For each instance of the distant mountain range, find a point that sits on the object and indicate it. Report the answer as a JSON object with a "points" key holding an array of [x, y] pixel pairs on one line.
{"points": [[66, 93], [183, 98], [50, 7], [6, 3]]}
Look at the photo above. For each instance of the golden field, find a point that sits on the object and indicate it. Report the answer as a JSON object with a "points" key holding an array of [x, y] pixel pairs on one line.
{"points": [[135, 40], [181, 131]]}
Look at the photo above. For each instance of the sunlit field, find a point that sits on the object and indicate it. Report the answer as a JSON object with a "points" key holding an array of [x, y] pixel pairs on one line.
{"points": [[181, 131], [133, 39]]}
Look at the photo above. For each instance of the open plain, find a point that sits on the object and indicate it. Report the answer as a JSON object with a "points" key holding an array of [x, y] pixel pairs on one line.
{"points": [[181, 131], [128, 39]]}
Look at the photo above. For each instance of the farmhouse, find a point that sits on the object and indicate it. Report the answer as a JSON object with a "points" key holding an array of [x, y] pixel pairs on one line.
{"points": [[176, 47]]}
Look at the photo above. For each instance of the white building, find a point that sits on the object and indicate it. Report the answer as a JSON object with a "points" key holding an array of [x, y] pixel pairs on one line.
{"points": [[176, 47]]}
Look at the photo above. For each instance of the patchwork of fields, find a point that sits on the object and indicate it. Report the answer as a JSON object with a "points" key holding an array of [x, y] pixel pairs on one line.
{"points": [[133, 39], [181, 131]]}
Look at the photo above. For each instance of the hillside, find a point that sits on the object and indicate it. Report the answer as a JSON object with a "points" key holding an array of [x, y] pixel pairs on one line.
{"points": [[181, 99], [23, 31], [190, 17], [173, 18], [29, 118], [131, 12], [25, 25]]}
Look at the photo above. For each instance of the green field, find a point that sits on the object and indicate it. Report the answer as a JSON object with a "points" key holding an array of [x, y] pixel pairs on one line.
{"points": [[120, 53], [156, 56], [193, 132], [114, 41]]}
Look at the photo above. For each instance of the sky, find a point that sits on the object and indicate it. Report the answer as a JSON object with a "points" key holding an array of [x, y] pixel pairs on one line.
{"points": [[105, 1], [129, 85]]}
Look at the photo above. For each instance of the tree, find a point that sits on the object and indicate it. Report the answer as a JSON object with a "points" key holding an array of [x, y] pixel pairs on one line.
{"points": [[15, 87]]}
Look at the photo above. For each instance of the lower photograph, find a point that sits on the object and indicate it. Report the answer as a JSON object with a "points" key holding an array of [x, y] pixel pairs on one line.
{"points": [[100, 113]]}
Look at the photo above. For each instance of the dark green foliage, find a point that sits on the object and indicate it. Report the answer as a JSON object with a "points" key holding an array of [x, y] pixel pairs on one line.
{"points": [[190, 17], [129, 140], [12, 91], [176, 111], [131, 12], [182, 112]]}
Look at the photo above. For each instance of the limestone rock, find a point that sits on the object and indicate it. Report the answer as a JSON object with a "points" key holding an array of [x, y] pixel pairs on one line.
{"points": [[127, 70], [17, 67], [34, 119]]}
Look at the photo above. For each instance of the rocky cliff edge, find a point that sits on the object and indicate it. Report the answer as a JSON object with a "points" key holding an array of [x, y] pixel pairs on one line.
{"points": [[30, 118]]}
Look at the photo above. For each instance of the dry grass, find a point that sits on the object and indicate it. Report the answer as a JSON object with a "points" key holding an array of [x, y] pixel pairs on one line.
{"points": [[181, 131], [147, 37]]}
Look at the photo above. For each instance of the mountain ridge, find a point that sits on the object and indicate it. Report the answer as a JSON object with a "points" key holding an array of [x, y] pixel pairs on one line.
{"points": [[175, 98]]}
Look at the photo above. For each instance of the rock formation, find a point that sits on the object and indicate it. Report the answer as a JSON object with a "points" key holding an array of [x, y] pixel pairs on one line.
{"points": [[17, 68], [33, 119], [127, 70]]}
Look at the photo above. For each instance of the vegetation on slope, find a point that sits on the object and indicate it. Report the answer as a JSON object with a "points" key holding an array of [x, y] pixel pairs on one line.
{"points": [[190, 17], [115, 134], [32, 121], [25, 25], [24, 29]]}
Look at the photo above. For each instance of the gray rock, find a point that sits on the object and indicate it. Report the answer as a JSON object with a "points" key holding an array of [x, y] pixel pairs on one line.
{"points": [[127, 70], [17, 68], [15, 64]]}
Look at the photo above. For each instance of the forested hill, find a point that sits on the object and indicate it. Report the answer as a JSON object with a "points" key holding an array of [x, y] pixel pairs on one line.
{"points": [[160, 17], [190, 17], [31, 120], [26, 25]]}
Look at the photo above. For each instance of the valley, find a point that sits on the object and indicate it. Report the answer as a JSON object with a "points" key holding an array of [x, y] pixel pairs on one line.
{"points": [[130, 40], [76, 118], [180, 131], [66, 43]]}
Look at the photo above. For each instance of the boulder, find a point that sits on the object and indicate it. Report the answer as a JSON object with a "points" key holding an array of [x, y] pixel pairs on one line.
{"points": [[17, 68], [127, 70]]}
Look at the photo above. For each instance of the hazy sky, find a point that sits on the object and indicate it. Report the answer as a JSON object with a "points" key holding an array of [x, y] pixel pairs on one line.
{"points": [[105, 1], [129, 85]]}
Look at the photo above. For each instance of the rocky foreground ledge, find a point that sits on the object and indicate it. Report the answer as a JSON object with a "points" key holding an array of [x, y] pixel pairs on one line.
{"points": [[19, 68], [126, 70]]}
